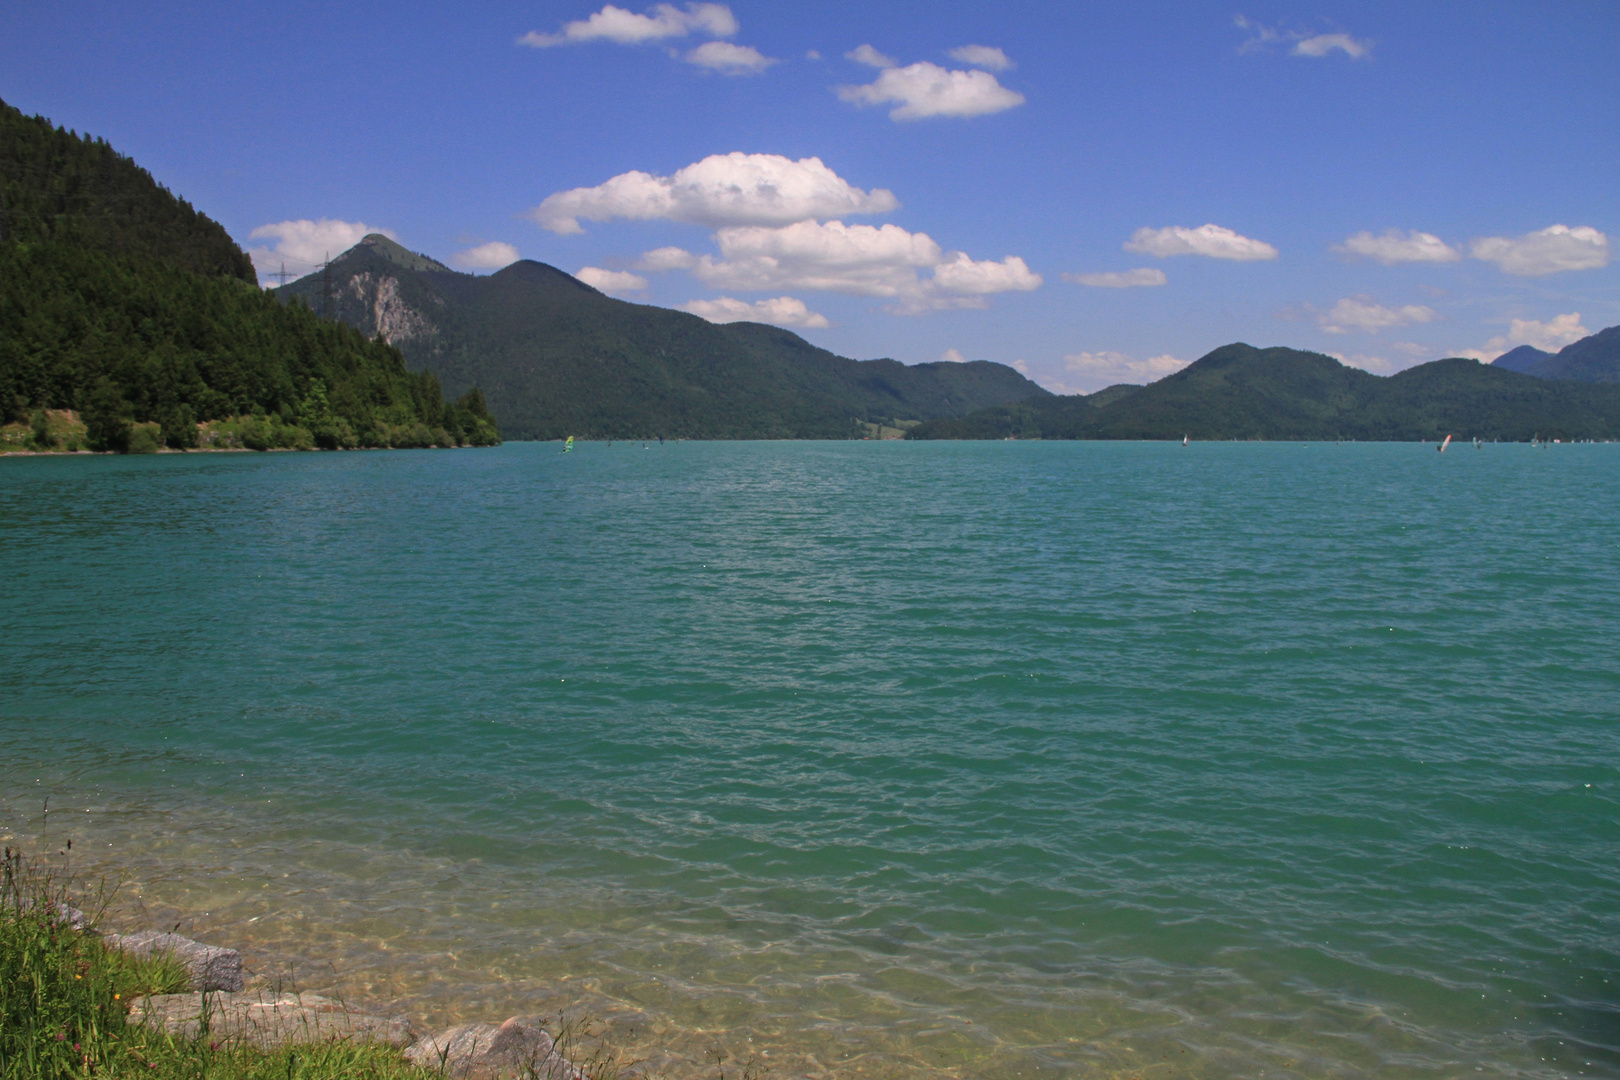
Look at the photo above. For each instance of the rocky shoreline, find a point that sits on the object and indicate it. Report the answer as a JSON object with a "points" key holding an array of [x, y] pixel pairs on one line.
{"points": [[224, 1006]]}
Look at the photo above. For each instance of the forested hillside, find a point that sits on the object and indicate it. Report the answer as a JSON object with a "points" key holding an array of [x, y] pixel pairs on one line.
{"points": [[1594, 359], [558, 358], [122, 302], [1240, 392]]}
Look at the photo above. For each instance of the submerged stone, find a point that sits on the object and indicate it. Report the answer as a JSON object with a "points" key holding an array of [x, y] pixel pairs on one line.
{"points": [[265, 1019], [494, 1052]]}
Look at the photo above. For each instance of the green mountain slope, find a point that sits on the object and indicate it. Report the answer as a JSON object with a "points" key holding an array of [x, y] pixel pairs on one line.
{"points": [[58, 187], [555, 357], [1240, 392], [1593, 359], [121, 301], [1525, 359]]}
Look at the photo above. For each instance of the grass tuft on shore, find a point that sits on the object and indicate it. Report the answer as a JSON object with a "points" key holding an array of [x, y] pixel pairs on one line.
{"points": [[65, 997]]}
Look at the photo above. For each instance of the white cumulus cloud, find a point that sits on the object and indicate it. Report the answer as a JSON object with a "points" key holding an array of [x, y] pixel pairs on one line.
{"points": [[983, 56], [1549, 251], [867, 260], [1211, 241], [1093, 371], [612, 282], [1394, 246], [965, 276], [624, 27], [923, 90], [864, 260], [1146, 277], [1367, 315], [490, 256], [781, 311], [952, 356], [304, 244], [729, 59], [720, 190]]}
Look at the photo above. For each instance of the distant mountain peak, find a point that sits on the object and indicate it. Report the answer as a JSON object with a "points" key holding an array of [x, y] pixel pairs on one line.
{"points": [[1593, 359], [1523, 359], [396, 253], [539, 273]]}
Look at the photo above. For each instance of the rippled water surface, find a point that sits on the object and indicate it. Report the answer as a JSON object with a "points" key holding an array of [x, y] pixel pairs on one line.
{"points": [[897, 760]]}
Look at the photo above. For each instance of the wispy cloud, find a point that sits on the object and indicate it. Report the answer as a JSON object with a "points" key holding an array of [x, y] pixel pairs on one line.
{"points": [[1376, 365], [1263, 37], [1146, 277], [1088, 372], [1363, 313], [866, 54], [1322, 44], [983, 56], [729, 59]]}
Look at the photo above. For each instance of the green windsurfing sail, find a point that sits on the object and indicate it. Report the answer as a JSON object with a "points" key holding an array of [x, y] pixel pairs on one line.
{"points": [[568, 444]]}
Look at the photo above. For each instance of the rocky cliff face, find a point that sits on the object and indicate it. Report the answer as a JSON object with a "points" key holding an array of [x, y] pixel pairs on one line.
{"points": [[383, 310]]}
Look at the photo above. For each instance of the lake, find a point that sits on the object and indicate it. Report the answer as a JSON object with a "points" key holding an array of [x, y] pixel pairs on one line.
{"points": [[896, 760]]}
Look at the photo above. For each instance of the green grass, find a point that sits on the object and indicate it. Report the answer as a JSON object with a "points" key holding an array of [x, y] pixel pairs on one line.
{"points": [[64, 1000]]}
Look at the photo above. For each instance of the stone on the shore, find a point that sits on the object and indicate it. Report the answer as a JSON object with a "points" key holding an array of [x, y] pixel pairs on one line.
{"points": [[210, 967], [265, 1019], [69, 914], [75, 918], [494, 1052]]}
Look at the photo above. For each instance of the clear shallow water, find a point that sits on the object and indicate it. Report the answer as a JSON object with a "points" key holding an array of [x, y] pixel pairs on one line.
{"points": [[990, 760]]}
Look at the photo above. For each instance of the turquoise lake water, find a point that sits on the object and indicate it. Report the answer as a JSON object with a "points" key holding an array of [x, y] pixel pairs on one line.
{"points": [[985, 760]]}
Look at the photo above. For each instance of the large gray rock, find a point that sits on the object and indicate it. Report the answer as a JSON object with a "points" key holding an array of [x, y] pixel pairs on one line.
{"points": [[265, 1019], [494, 1052], [210, 967], [75, 918]]}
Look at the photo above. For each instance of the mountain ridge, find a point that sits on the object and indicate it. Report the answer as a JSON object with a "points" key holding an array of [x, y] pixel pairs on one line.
{"points": [[1593, 359], [556, 357], [1240, 392]]}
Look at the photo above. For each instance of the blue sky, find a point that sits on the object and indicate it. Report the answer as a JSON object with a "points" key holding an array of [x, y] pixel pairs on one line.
{"points": [[966, 203]]}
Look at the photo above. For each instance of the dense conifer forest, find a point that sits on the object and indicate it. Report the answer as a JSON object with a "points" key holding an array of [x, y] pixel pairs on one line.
{"points": [[121, 302]]}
